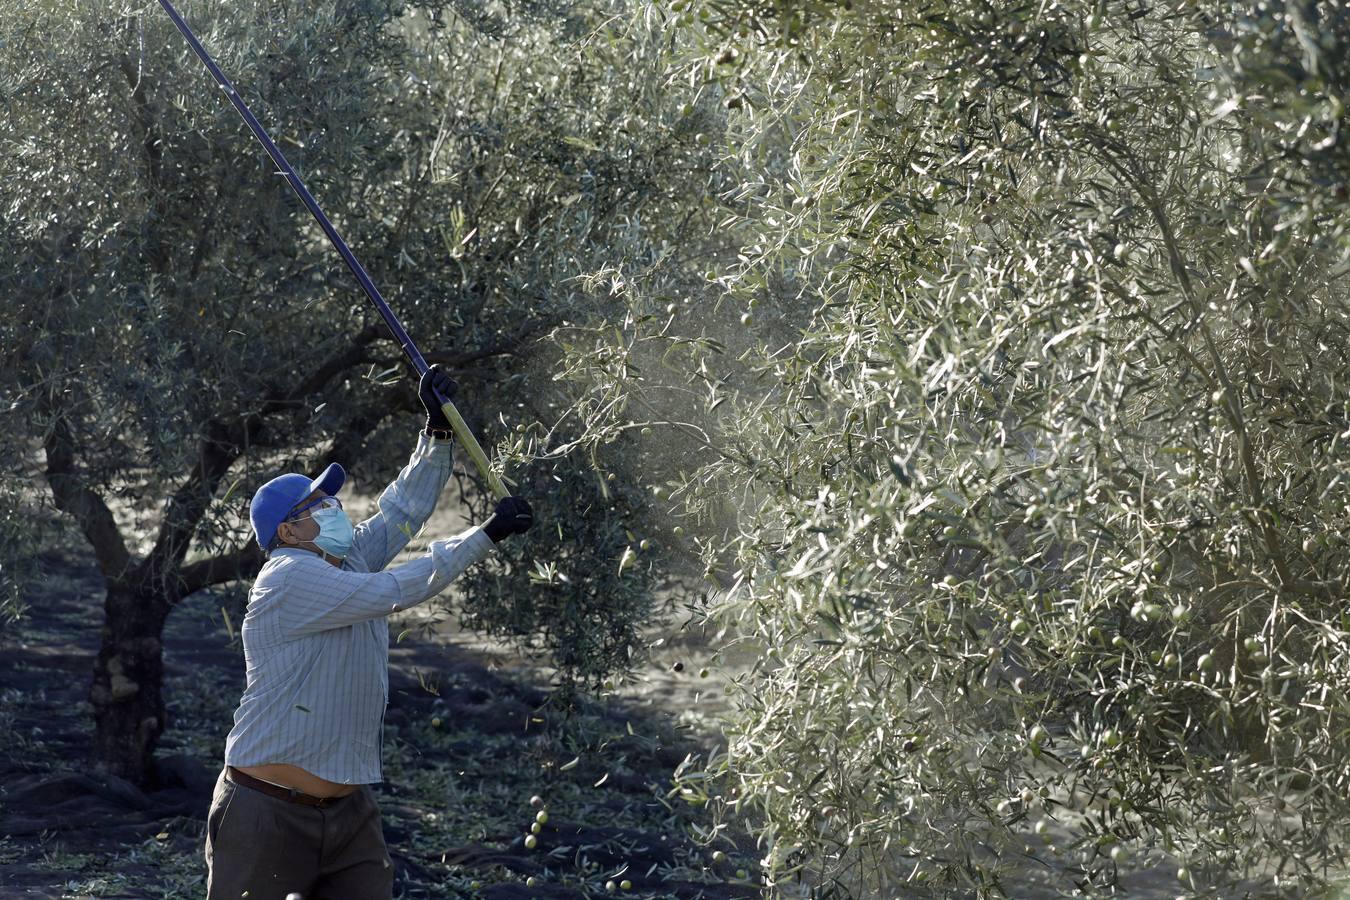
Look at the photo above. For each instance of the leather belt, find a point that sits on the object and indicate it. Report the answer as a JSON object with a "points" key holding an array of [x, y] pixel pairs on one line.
{"points": [[281, 793]]}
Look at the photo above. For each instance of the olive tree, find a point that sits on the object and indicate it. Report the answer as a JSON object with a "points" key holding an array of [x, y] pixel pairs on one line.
{"points": [[1017, 438], [178, 331], [167, 291]]}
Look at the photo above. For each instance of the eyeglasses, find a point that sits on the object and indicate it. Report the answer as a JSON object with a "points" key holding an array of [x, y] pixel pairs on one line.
{"points": [[320, 503]]}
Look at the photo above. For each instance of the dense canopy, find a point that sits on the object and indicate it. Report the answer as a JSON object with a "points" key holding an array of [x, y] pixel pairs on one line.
{"points": [[975, 370]]}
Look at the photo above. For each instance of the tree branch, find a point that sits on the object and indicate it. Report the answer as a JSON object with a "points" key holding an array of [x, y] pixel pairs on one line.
{"points": [[224, 442], [83, 504], [280, 396], [232, 566], [221, 445], [1230, 401], [145, 119], [152, 154], [504, 347]]}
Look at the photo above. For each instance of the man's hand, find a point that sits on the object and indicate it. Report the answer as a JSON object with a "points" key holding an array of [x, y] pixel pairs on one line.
{"points": [[435, 379], [512, 516]]}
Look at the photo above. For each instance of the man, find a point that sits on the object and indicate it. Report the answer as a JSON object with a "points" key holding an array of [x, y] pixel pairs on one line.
{"points": [[293, 810]]}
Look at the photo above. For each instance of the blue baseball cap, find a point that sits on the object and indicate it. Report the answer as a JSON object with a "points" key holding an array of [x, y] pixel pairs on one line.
{"points": [[274, 501]]}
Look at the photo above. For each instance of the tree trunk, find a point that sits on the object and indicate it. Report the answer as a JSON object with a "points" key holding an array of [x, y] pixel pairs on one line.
{"points": [[127, 692]]}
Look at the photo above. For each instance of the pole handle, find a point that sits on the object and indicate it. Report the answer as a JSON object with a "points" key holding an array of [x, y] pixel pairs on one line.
{"points": [[474, 449]]}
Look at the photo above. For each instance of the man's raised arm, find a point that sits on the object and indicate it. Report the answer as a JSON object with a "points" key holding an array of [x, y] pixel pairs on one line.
{"points": [[407, 503]]}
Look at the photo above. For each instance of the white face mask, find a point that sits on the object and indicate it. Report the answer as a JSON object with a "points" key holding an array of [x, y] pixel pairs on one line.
{"points": [[335, 531], [335, 528]]}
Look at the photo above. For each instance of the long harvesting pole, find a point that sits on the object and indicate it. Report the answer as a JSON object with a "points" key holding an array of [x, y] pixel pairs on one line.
{"points": [[461, 428]]}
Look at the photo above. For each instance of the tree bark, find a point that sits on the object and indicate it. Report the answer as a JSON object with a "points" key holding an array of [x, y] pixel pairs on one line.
{"points": [[127, 693]]}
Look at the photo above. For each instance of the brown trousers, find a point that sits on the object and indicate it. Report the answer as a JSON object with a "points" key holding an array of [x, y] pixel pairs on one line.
{"points": [[265, 848]]}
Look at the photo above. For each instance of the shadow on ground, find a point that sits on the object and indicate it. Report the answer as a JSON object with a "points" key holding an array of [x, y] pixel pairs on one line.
{"points": [[468, 743]]}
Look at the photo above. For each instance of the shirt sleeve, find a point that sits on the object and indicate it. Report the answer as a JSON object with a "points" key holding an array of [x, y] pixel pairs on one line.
{"points": [[317, 596], [405, 505]]}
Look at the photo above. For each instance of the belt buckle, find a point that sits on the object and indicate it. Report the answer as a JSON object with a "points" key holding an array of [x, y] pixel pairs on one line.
{"points": [[308, 799]]}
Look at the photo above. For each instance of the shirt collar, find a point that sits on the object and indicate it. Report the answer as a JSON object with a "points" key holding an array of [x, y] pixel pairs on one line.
{"points": [[299, 554]]}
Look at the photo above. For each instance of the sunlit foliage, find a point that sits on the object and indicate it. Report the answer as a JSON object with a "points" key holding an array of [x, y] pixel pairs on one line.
{"points": [[1025, 464]]}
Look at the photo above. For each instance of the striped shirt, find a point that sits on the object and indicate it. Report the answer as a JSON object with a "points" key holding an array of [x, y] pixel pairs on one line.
{"points": [[316, 640]]}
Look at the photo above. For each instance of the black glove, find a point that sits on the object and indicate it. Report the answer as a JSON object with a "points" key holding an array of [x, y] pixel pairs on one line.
{"points": [[436, 377], [512, 516]]}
